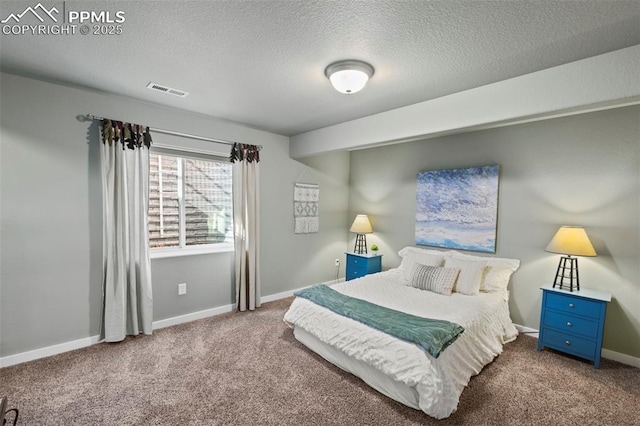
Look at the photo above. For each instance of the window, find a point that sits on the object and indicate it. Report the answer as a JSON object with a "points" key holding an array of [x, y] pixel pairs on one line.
{"points": [[190, 204]]}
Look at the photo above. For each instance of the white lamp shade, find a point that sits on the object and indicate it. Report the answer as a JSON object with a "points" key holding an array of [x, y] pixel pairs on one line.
{"points": [[361, 225], [349, 81], [572, 240]]}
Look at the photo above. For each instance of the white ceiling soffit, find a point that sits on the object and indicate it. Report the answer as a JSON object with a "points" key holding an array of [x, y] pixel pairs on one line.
{"points": [[262, 63], [601, 82]]}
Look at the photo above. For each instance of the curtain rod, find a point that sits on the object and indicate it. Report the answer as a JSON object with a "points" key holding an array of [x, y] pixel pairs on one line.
{"points": [[171, 132]]}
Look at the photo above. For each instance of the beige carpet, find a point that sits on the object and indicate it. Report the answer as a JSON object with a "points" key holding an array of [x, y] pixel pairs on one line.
{"points": [[247, 369]]}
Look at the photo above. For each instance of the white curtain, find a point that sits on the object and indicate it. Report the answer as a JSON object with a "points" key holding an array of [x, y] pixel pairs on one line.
{"points": [[246, 221], [128, 301]]}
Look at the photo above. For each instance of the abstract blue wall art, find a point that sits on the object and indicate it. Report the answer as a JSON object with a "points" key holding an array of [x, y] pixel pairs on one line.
{"points": [[458, 208]]}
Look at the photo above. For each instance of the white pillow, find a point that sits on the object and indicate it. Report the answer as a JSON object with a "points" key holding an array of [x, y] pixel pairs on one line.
{"points": [[412, 255], [471, 274], [497, 274], [434, 278]]}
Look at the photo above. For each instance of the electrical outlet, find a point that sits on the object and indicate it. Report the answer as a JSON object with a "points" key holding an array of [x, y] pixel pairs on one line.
{"points": [[337, 263], [182, 289]]}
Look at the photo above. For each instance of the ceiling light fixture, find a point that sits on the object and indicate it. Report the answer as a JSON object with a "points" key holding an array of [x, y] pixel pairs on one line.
{"points": [[349, 76]]}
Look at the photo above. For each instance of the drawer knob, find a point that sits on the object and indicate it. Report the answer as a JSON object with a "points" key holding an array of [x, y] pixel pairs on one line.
{"points": [[571, 305], [569, 324], [568, 343]]}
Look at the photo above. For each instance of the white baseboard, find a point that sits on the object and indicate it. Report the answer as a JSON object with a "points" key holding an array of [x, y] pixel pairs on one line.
{"points": [[48, 351], [606, 353], [88, 341], [289, 293], [622, 358], [181, 319], [527, 330], [278, 296]]}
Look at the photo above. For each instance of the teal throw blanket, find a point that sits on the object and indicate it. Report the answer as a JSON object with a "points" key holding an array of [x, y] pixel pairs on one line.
{"points": [[432, 335]]}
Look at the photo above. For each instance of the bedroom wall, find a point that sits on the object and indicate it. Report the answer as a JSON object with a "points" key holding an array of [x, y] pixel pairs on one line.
{"points": [[51, 220], [580, 170]]}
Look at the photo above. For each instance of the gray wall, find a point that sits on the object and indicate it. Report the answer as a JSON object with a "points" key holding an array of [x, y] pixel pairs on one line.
{"points": [[580, 170], [51, 220]]}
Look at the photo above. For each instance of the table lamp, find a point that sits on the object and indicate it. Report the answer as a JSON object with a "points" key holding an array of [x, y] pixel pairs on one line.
{"points": [[570, 240], [361, 226]]}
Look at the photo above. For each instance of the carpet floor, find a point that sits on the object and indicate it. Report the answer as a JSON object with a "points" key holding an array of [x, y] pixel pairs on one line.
{"points": [[248, 369]]}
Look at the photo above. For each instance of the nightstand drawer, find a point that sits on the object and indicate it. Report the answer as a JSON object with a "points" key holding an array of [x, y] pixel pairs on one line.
{"points": [[574, 305], [570, 343], [354, 273], [357, 262], [571, 324]]}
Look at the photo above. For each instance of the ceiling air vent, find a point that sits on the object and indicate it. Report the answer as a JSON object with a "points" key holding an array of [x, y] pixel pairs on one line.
{"points": [[165, 89]]}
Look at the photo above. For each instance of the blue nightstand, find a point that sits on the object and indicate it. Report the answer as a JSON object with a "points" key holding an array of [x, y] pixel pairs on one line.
{"points": [[573, 322], [359, 265]]}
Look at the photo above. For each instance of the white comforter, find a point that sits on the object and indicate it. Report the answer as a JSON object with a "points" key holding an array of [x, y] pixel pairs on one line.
{"points": [[439, 382]]}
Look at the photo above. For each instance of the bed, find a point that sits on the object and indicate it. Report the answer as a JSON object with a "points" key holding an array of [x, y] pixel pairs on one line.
{"points": [[477, 300]]}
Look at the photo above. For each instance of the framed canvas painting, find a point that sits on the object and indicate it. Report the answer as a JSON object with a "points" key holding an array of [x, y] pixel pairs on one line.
{"points": [[458, 208]]}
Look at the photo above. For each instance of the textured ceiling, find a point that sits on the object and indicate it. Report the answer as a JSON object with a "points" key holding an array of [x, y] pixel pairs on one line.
{"points": [[262, 62]]}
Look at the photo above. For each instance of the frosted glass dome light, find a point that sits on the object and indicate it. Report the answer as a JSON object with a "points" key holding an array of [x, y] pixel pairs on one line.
{"points": [[350, 76]]}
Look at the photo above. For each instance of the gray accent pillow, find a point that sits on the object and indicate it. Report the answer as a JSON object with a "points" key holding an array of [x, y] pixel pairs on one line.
{"points": [[434, 278]]}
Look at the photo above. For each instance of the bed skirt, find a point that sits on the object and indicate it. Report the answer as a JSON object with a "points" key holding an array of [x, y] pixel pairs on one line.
{"points": [[375, 378]]}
